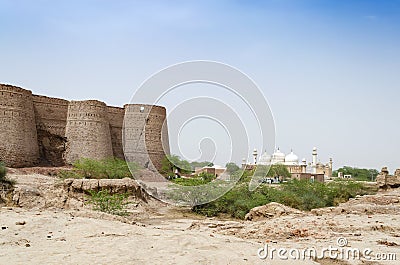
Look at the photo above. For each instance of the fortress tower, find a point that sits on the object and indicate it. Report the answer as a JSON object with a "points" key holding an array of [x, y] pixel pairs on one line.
{"points": [[18, 138], [145, 136], [87, 131], [39, 130]]}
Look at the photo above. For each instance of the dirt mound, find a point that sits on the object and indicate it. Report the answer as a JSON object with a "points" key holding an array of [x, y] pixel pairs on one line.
{"points": [[368, 204], [46, 171], [270, 210]]}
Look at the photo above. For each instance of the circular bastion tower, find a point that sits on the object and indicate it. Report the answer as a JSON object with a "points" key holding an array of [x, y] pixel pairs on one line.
{"points": [[145, 135], [18, 136], [87, 131]]}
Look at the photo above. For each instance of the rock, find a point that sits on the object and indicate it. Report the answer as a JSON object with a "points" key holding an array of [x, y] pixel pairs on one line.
{"points": [[384, 180], [20, 223], [125, 185], [270, 210]]}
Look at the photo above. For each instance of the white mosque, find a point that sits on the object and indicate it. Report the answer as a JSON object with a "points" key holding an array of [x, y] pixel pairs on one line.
{"points": [[298, 169]]}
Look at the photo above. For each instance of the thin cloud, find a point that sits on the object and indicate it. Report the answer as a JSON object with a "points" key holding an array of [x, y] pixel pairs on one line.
{"points": [[371, 17]]}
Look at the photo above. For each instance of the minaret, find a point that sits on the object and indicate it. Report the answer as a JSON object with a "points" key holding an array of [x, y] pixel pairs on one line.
{"points": [[244, 163], [303, 165], [330, 163], [255, 154], [314, 160]]}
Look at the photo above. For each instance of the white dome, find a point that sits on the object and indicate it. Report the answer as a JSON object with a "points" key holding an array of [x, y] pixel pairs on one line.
{"points": [[278, 157], [291, 159], [265, 159]]}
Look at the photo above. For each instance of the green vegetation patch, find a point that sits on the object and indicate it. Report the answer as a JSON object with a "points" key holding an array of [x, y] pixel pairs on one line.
{"points": [[360, 174], [106, 202], [3, 173], [299, 194], [110, 168], [201, 179]]}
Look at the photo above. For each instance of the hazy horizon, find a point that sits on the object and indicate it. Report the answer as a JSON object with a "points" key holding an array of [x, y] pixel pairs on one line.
{"points": [[329, 69]]}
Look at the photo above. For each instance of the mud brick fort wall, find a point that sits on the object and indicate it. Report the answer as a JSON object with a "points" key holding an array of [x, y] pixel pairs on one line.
{"points": [[141, 145], [39, 130]]}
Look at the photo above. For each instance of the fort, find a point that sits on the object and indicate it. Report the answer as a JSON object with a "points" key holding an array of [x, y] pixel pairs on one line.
{"points": [[39, 130]]}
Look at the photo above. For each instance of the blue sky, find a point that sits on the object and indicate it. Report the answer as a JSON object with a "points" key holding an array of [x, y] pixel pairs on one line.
{"points": [[329, 68]]}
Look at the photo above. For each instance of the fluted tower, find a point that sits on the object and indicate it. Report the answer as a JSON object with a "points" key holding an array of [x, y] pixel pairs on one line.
{"points": [[145, 135], [314, 160], [87, 131], [18, 136]]}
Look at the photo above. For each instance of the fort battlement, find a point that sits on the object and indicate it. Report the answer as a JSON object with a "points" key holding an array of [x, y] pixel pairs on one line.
{"points": [[18, 136], [43, 130], [141, 145]]}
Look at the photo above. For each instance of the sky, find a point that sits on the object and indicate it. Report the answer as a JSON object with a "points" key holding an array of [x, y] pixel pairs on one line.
{"points": [[329, 69]]}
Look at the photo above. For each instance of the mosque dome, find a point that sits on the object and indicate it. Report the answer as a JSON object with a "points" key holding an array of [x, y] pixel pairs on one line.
{"points": [[291, 159], [265, 159], [278, 157]]}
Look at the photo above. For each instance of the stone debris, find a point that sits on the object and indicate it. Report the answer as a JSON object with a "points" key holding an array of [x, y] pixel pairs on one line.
{"points": [[270, 210], [384, 180], [125, 185]]}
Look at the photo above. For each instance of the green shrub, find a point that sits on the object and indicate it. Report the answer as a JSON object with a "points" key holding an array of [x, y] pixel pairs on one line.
{"points": [[106, 202], [69, 174], [110, 168], [3, 178], [3, 171], [202, 178]]}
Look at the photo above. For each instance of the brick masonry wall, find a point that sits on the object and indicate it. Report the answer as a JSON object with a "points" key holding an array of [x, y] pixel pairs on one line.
{"points": [[116, 118], [87, 131], [18, 137], [42, 130], [51, 114], [149, 146], [51, 120]]}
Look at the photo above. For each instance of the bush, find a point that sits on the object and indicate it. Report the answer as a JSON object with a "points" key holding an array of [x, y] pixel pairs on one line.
{"points": [[3, 173], [106, 202], [202, 178], [110, 168]]}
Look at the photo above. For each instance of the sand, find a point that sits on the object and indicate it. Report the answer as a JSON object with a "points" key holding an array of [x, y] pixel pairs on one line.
{"points": [[53, 227]]}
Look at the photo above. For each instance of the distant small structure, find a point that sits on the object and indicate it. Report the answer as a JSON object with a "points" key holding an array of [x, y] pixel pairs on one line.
{"points": [[309, 176], [344, 176], [214, 170]]}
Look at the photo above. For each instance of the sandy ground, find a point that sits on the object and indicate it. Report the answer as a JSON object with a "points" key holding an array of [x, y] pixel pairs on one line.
{"points": [[52, 227]]}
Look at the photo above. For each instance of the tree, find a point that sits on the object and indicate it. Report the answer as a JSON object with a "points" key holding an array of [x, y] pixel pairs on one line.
{"points": [[279, 171], [172, 162], [195, 164], [232, 167], [361, 174], [272, 171]]}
